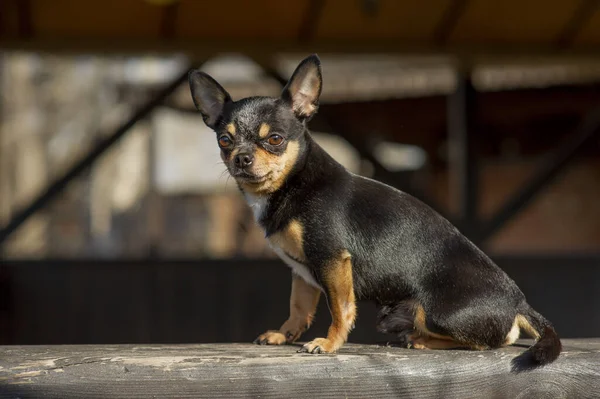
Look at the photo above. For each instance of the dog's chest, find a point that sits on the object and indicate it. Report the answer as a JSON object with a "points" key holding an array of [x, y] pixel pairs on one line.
{"points": [[288, 244], [258, 204], [297, 267]]}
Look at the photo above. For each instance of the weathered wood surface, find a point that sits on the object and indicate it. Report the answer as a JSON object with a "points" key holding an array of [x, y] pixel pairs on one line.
{"points": [[245, 370]]}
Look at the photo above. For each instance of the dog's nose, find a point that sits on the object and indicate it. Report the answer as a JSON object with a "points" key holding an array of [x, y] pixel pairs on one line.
{"points": [[243, 160]]}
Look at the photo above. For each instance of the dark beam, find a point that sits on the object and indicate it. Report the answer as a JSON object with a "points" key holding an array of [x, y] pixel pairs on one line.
{"points": [[580, 17], [24, 15], [463, 169], [449, 20], [3, 11], [370, 7], [87, 161], [550, 168], [168, 20], [310, 21], [202, 49]]}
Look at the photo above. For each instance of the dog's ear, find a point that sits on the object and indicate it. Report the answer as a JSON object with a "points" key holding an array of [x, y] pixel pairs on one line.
{"points": [[209, 97], [303, 89]]}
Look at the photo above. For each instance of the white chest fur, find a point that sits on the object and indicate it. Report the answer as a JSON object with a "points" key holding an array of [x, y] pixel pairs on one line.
{"points": [[289, 241], [297, 267], [258, 204]]}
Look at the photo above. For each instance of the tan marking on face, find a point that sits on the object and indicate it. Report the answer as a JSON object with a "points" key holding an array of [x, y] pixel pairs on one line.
{"points": [[290, 240], [342, 303], [231, 128], [264, 130], [232, 155], [275, 167], [527, 327]]}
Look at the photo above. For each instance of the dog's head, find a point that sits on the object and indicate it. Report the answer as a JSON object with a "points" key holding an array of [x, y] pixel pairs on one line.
{"points": [[261, 138]]}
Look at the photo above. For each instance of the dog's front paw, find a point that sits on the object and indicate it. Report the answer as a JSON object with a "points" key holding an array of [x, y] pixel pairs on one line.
{"points": [[270, 338], [319, 345]]}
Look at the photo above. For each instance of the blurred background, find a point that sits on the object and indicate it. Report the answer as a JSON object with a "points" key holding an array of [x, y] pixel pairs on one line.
{"points": [[118, 224]]}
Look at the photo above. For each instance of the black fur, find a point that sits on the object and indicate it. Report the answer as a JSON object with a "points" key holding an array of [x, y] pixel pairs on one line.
{"points": [[397, 319], [403, 252]]}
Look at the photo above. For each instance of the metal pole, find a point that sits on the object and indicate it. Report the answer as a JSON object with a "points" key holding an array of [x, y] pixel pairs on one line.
{"points": [[462, 167]]}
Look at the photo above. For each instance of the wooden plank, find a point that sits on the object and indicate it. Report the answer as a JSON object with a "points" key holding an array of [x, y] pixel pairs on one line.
{"points": [[245, 370]]}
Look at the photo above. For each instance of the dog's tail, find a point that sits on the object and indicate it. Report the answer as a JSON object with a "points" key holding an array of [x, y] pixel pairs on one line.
{"points": [[548, 345]]}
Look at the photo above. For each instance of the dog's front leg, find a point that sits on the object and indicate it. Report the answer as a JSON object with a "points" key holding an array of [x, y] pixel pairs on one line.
{"points": [[303, 304], [339, 288]]}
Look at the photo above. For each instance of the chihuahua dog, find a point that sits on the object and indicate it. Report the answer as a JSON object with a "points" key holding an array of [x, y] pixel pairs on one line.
{"points": [[350, 237]]}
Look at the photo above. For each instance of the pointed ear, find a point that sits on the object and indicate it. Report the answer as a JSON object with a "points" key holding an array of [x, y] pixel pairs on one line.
{"points": [[209, 97], [303, 90]]}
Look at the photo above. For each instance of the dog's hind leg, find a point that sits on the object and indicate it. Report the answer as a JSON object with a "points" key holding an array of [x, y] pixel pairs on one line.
{"points": [[418, 341], [397, 319]]}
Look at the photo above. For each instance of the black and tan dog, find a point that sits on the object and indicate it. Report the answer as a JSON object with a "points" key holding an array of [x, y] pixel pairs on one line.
{"points": [[351, 237]]}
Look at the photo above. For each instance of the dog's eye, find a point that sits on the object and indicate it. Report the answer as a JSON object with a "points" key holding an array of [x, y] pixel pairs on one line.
{"points": [[275, 139], [224, 141]]}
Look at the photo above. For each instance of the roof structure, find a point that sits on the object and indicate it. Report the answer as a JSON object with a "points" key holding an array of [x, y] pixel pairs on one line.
{"points": [[373, 49], [262, 27]]}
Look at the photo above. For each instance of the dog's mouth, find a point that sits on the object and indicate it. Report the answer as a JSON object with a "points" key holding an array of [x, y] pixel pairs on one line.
{"points": [[250, 178]]}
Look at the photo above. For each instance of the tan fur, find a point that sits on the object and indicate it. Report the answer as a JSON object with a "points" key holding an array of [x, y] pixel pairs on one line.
{"points": [[303, 304], [264, 130], [527, 327], [514, 333], [421, 326], [342, 304], [423, 338], [290, 240], [425, 342], [275, 167], [231, 128], [232, 155]]}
